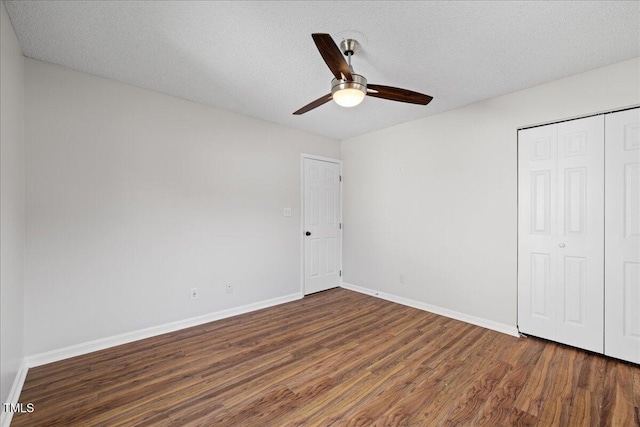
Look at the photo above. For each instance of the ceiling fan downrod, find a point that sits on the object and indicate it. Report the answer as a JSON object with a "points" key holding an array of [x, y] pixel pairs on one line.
{"points": [[349, 47]]}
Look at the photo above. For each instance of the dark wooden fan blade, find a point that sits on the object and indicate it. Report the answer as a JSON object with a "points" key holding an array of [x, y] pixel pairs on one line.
{"points": [[397, 94], [318, 102], [332, 56]]}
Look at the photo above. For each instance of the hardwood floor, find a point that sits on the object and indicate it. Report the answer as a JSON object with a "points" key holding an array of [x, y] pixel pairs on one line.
{"points": [[335, 358]]}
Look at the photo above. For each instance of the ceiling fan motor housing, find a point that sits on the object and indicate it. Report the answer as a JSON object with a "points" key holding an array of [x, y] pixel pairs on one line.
{"points": [[358, 82]]}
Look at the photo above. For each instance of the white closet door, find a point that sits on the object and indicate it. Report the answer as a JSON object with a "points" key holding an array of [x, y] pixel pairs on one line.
{"points": [[622, 268], [537, 243], [580, 239], [560, 232]]}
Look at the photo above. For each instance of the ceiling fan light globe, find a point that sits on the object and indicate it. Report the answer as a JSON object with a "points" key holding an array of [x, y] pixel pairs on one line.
{"points": [[348, 97]]}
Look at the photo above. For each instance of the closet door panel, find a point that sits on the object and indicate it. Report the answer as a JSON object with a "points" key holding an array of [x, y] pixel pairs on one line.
{"points": [[537, 246], [561, 232], [580, 233], [622, 239]]}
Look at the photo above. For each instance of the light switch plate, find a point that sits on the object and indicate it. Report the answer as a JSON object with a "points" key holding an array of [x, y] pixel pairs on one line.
{"points": [[287, 211]]}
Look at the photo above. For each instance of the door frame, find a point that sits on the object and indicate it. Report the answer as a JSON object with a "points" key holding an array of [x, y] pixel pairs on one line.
{"points": [[304, 156]]}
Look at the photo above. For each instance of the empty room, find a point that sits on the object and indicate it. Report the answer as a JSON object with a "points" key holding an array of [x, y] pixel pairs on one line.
{"points": [[320, 213]]}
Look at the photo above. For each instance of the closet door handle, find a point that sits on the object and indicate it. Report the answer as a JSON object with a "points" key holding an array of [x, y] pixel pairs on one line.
{"points": [[561, 245]]}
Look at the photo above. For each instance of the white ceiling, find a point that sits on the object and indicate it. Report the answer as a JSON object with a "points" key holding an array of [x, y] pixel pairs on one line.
{"points": [[258, 58]]}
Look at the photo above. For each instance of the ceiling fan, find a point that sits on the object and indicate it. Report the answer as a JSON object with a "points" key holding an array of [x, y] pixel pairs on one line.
{"points": [[348, 89]]}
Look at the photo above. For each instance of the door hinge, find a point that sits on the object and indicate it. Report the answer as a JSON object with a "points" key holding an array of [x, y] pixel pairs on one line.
{"points": [[340, 178], [340, 273], [340, 226]]}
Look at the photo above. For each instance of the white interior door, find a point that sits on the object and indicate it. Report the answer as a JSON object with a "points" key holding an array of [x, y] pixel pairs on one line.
{"points": [[561, 231], [622, 239], [322, 233]]}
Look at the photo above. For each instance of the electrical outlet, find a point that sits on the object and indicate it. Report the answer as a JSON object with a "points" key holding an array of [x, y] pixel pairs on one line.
{"points": [[402, 278], [287, 211], [229, 288], [194, 293]]}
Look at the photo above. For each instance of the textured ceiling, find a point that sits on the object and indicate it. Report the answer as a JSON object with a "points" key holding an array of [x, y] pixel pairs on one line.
{"points": [[258, 58]]}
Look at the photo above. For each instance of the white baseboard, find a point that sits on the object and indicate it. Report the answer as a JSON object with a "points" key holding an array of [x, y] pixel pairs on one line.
{"points": [[478, 321], [14, 393], [103, 343]]}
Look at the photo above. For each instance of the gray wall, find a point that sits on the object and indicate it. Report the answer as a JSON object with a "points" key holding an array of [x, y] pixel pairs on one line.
{"points": [[448, 222], [12, 222], [134, 197]]}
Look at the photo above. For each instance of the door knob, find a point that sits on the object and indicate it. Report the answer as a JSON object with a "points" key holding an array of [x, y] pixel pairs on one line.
{"points": [[561, 245], [308, 233]]}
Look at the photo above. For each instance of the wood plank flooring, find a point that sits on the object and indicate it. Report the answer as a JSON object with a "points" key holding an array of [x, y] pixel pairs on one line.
{"points": [[336, 358]]}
